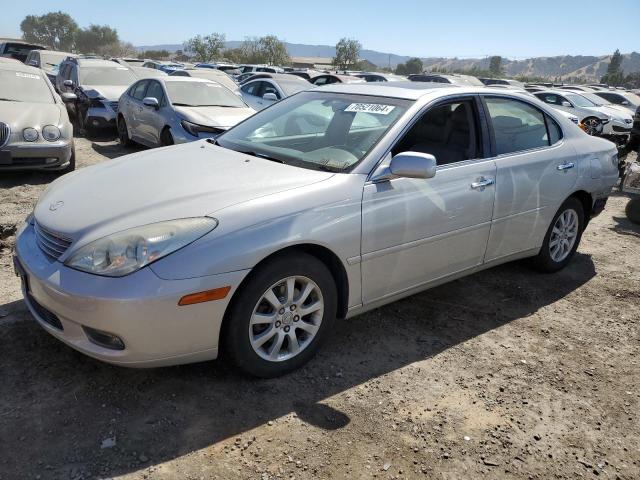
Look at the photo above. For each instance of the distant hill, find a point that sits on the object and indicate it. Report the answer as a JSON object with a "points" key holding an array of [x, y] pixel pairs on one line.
{"points": [[590, 67]]}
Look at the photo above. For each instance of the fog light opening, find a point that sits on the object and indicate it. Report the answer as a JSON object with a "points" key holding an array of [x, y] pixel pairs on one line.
{"points": [[104, 339], [51, 160]]}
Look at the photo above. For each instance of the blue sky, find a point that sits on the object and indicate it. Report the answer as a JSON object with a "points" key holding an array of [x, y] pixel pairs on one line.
{"points": [[462, 28]]}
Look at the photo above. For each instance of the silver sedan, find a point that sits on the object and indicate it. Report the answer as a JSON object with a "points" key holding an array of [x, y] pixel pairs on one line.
{"points": [[331, 202], [169, 110]]}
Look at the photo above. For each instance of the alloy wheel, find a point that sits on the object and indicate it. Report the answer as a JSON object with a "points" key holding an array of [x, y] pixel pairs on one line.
{"points": [[563, 235], [286, 318], [592, 126]]}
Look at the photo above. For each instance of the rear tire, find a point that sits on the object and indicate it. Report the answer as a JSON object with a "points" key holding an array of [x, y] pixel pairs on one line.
{"points": [[269, 338], [562, 238]]}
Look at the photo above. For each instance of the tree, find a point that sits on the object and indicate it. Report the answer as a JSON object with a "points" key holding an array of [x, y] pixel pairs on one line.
{"points": [[96, 39], [615, 74], [274, 51], [56, 30], [250, 51], [207, 48], [495, 66], [411, 66], [155, 54], [347, 53]]}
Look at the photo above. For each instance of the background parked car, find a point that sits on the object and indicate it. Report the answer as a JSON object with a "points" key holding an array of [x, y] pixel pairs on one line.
{"points": [[260, 68], [597, 120], [380, 77], [209, 74], [329, 78], [629, 100], [16, 48], [228, 68], [502, 81], [35, 131], [166, 67], [177, 109], [263, 91], [452, 78], [48, 61], [307, 74], [97, 85]]}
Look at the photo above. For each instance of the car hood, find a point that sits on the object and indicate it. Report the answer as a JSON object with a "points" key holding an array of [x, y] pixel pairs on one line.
{"points": [[614, 112], [20, 115], [214, 116], [108, 92], [190, 180]]}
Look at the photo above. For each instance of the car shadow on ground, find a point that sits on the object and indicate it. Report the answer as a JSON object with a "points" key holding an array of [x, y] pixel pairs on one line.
{"points": [[50, 393], [115, 150], [35, 177]]}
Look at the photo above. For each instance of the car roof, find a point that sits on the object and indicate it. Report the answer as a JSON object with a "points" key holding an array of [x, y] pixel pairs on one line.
{"points": [[407, 90], [177, 78], [18, 66], [97, 62]]}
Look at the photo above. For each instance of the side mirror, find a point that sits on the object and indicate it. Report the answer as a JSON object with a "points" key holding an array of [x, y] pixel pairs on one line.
{"points": [[151, 102], [413, 165], [68, 97], [68, 83], [566, 104], [270, 97]]}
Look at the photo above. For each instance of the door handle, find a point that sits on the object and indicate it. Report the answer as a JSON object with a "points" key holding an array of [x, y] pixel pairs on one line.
{"points": [[566, 166], [483, 182]]}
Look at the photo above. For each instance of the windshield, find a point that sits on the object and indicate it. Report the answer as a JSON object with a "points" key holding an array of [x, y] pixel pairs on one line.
{"points": [[106, 76], [24, 87], [598, 100], [51, 59], [579, 100], [289, 87], [321, 130], [202, 94]]}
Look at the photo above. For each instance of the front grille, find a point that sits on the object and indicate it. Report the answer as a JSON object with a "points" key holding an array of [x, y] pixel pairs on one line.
{"points": [[44, 314], [51, 243], [114, 106], [5, 131], [617, 128]]}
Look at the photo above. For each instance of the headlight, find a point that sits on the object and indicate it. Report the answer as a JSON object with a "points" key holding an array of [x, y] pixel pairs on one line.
{"points": [[51, 133], [126, 252], [30, 134], [194, 129]]}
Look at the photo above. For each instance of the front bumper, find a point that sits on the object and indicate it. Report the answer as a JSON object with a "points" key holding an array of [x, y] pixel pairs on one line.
{"points": [[141, 309], [36, 155], [101, 117]]}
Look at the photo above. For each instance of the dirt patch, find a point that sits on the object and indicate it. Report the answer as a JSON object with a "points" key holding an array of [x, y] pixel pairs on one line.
{"points": [[507, 373]]}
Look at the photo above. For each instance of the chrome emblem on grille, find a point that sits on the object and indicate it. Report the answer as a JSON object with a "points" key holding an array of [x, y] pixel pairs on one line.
{"points": [[56, 205]]}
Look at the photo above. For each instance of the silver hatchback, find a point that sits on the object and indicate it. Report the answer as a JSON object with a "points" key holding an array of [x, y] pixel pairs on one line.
{"points": [[327, 204]]}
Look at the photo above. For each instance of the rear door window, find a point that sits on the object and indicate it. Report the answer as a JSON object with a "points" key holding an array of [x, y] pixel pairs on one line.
{"points": [[517, 126]]}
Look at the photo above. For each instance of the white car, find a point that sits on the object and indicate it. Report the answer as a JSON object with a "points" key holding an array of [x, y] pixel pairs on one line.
{"points": [[628, 100], [597, 119]]}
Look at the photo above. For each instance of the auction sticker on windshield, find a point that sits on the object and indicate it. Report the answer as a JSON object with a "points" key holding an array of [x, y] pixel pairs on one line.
{"points": [[376, 108]]}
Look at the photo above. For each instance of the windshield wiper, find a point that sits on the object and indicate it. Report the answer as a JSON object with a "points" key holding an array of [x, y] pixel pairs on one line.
{"points": [[184, 105], [261, 155], [9, 100]]}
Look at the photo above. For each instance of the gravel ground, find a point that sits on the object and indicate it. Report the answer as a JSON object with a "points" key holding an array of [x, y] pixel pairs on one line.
{"points": [[505, 374]]}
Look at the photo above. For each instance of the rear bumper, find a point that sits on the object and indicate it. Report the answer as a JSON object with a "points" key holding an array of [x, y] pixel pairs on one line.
{"points": [[36, 156]]}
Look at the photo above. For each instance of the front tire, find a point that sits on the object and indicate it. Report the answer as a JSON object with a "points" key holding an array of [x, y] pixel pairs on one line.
{"points": [[123, 133], [166, 139], [281, 316], [562, 238], [592, 125]]}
